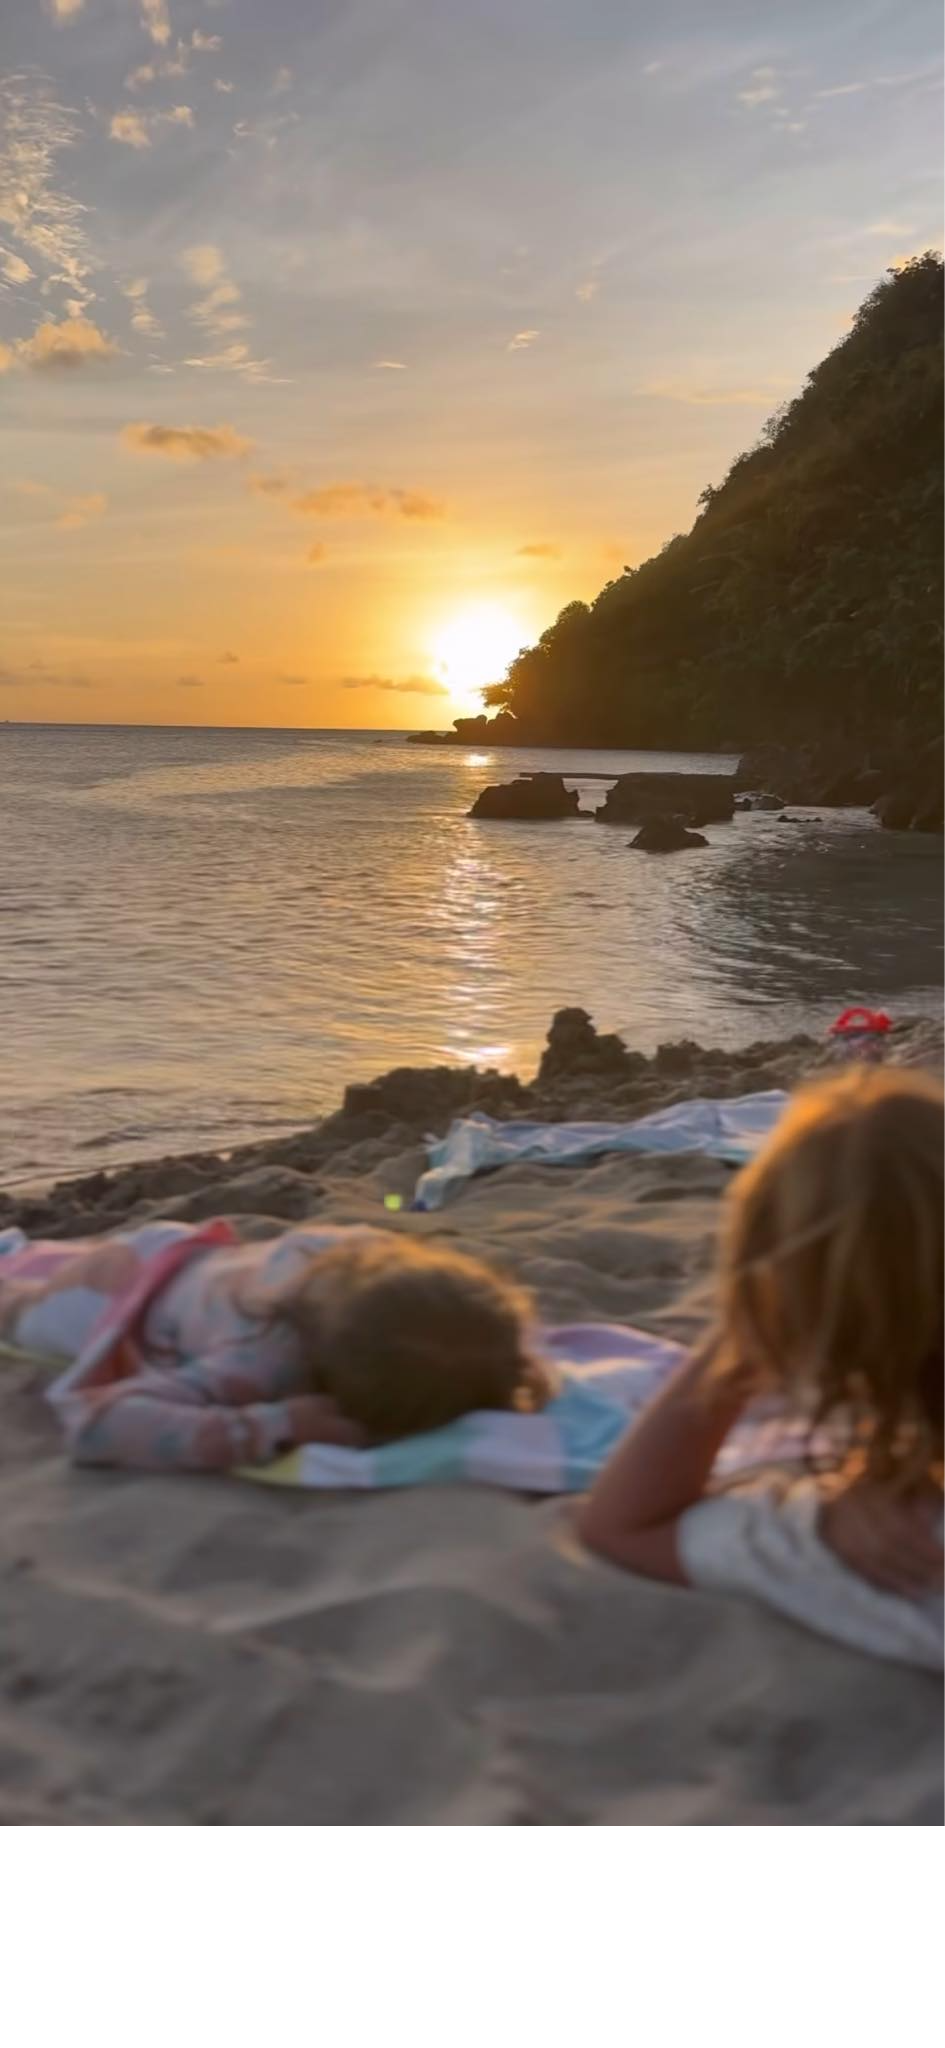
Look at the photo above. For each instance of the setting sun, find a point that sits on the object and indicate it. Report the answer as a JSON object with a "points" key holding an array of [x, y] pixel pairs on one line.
{"points": [[473, 648]]}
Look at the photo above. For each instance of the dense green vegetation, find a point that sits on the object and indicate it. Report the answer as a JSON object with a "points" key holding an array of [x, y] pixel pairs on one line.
{"points": [[806, 601]]}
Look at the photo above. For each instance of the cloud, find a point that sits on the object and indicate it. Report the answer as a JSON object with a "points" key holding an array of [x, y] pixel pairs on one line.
{"points": [[199, 41], [142, 319], [80, 511], [228, 658], [66, 345], [295, 682], [540, 551], [155, 20], [388, 363], [237, 358], [882, 229], [64, 10], [269, 486], [524, 338], [34, 129], [588, 290], [136, 129], [650, 70], [184, 444], [14, 268], [316, 553], [282, 79], [841, 92], [131, 128], [410, 686], [223, 85], [190, 682], [7, 358], [203, 263], [761, 88], [40, 679], [697, 394], [358, 501]]}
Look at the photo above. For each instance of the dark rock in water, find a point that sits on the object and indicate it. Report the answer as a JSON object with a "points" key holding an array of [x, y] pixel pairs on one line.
{"points": [[788, 818], [660, 834], [576, 1047], [914, 802], [428, 739], [531, 797], [699, 799]]}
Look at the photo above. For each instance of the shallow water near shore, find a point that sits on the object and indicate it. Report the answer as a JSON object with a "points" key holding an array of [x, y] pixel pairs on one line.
{"points": [[205, 934]]}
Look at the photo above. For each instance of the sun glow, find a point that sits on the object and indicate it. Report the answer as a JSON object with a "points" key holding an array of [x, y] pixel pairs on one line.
{"points": [[473, 648]]}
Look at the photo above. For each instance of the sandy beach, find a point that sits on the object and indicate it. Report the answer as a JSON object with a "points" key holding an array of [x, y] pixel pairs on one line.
{"points": [[188, 1651]]}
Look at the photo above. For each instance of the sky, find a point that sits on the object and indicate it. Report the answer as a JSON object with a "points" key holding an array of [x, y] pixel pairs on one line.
{"points": [[342, 342]]}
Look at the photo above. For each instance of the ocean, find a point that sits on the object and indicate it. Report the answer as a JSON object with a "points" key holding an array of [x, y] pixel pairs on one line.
{"points": [[205, 934]]}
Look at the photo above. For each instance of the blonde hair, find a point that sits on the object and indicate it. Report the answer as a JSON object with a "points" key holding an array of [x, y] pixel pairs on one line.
{"points": [[406, 1336], [831, 1274]]}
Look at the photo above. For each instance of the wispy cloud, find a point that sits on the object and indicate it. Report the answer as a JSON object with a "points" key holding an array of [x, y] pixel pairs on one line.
{"points": [[67, 512], [762, 87], [78, 512], [523, 339], [14, 268], [540, 551], [588, 290], [269, 486], [142, 318], [190, 682], [360, 501], [156, 21], [68, 344], [223, 85], [64, 10], [47, 222], [227, 658], [184, 444], [842, 92], [294, 682], [695, 394], [408, 686], [220, 313], [883, 229], [137, 129], [388, 363]]}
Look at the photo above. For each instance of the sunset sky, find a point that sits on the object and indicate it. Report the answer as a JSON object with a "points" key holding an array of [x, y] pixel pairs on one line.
{"points": [[343, 341]]}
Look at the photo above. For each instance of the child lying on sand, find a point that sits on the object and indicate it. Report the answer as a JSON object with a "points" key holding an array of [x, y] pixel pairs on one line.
{"points": [[829, 1295], [195, 1352]]}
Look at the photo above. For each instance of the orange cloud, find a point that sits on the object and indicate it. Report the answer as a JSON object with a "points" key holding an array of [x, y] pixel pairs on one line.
{"points": [[540, 550], [66, 345], [410, 686], [184, 444], [358, 501]]}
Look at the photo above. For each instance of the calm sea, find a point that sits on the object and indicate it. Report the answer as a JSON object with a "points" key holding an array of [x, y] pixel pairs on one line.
{"points": [[206, 933]]}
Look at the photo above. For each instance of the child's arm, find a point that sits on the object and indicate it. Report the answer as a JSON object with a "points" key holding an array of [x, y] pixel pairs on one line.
{"points": [[165, 1422], [659, 1470]]}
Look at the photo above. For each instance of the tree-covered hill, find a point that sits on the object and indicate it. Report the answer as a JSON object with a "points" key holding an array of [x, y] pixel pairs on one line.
{"points": [[806, 602]]}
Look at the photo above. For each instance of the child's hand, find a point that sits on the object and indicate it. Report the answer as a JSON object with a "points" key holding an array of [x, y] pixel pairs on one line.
{"points": [[888, 1538], [317, 1419]]}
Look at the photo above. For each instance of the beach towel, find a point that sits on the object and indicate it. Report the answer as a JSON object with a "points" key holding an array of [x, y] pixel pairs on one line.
{"points": [[732, 1131], [608, 1374]]}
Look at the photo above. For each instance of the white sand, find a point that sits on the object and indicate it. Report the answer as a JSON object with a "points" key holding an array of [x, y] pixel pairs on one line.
{"points": [[202, 1651]]}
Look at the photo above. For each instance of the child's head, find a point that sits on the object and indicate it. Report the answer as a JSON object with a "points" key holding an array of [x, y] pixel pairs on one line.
{"points": [[407, 1337], [832, 1268]]}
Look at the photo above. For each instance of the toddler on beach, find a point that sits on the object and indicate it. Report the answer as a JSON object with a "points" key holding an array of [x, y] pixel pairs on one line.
{"points": [[196, 1352], [829, 1298]]}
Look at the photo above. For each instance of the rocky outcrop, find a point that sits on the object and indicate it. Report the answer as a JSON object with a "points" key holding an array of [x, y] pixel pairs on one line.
{"points": [[575, 1048], [530, 797], [905, 792], [760, 800], [660, 834], [699, 799]]}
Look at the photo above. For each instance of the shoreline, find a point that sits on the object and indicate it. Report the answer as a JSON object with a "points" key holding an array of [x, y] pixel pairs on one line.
{"points": [[584, 1076]]}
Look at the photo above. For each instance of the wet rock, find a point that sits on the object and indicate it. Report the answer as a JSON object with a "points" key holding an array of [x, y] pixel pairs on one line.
{"points": [[420, 1097], [697, 799], [914, 801], [660, 834], [530, 797]]}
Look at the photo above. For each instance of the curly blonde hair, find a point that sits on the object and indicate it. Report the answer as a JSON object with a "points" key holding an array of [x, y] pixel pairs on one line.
{"points": [[406, 1336], [831, 1275]]}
